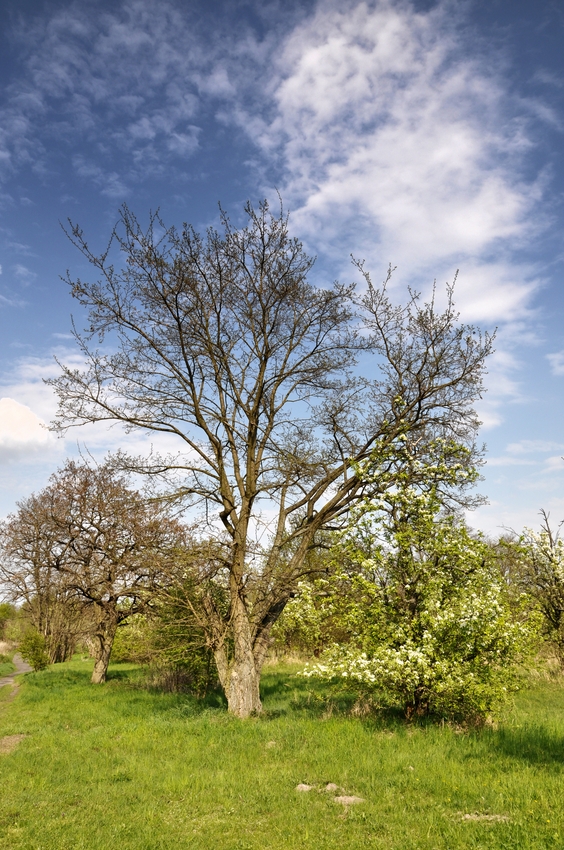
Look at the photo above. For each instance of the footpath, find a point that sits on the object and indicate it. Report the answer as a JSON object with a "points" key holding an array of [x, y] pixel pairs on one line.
{"points": [[21, 667]]}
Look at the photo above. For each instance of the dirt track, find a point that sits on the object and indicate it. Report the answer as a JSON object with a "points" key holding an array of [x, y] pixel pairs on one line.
{"points": [[21, 667]]}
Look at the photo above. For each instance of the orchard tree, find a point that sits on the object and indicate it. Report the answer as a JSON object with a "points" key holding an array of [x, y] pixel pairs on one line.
{"points": [[27, 542], [97, 541], [222, 341], [542, 576], [428, 621]]}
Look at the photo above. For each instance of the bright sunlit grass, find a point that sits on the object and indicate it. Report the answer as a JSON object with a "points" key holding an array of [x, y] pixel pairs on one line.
{"points": [[116, 765]]}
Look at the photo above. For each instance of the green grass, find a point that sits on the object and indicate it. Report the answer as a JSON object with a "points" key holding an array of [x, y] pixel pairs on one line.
{"points": [[116, 765], [6, 666]]}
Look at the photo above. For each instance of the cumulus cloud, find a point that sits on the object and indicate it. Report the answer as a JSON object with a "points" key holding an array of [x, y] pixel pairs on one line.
{"points": [[28, 384], [22, 433]]}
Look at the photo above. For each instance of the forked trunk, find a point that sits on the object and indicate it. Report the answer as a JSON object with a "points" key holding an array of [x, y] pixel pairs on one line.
{"points": [[102, 644]]}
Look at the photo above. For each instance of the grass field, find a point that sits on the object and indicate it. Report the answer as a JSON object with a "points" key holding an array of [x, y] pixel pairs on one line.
{"points": [[117, 765]]}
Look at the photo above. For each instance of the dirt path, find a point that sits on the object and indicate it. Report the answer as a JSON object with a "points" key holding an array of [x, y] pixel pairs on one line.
{"points": [[21, 667]]}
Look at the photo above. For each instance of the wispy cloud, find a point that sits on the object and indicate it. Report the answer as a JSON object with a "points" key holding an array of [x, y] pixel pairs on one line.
{"points": [[24, 275], [398, 142], [110, 183], [392, 133], [556, 361], [524, 447]]}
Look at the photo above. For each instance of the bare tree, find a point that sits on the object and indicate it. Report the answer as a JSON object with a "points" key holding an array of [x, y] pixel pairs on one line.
{"points": [[223, 342], [87, 544], [27, 543]]}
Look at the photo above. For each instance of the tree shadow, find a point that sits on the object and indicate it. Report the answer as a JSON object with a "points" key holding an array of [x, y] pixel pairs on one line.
{"points": [[537, 745], [287, 694]]}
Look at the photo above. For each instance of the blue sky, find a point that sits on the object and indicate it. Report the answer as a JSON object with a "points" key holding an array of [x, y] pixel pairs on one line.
{"points": [[425, 134]]}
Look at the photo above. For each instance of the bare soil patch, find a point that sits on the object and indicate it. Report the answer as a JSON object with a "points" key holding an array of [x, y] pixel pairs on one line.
{"points": [[9, 743], [349, 800], [480, 816]]}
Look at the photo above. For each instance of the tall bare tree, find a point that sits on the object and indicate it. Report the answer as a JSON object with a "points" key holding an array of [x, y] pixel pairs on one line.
{"points": [[223, 342], [87, 544]]}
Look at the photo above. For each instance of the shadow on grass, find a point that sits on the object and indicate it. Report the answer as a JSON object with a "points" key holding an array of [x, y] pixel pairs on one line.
{"points": [[538, 745], [285, 694]]}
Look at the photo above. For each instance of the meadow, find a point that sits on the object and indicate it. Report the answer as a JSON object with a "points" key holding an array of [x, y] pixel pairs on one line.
{"points": [[87, 767]]}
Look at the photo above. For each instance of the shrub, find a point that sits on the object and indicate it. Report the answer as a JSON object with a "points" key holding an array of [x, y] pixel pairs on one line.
{"points": [[33, 649], [430, 626]]}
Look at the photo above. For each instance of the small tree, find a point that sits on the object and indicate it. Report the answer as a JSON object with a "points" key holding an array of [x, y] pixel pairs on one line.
{"points": [[27, 543], [33, 649], [429, 621], [224, 343], [105, 544], [542, 576]]}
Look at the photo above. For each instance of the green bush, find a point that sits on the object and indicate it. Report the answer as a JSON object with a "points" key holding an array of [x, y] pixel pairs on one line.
{"points": [[171, 646], [33, 649], [430, 627]]}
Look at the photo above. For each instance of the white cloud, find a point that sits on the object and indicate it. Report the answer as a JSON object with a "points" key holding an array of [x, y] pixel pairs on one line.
{"points": [[132, 75], [534, 447], [22, 433], [554, 464], [509, 461], [110, 183], [398, 142], [556, 361], [28, 386]]}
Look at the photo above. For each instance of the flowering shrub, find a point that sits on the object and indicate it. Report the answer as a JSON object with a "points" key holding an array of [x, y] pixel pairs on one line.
{"points": [[429, 622], [543, 578]]}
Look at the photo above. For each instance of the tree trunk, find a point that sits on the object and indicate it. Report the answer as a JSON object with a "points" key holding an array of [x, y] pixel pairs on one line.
{"points": [[240, 675], [242, 691], [102, 643]]}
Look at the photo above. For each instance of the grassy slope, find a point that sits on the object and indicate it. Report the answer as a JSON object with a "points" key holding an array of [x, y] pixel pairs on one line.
{"points": [[115, 765]]}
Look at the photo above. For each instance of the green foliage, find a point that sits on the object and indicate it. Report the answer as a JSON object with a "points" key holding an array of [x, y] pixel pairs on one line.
{"points": [[429, 621], [133, 640], [33, 649], [169, 643], [7, 612]]}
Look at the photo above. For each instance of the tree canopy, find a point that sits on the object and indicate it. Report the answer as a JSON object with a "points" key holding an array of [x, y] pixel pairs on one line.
{"points": [[277, 391], [87, 541]]}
